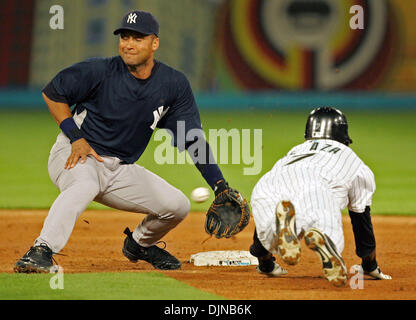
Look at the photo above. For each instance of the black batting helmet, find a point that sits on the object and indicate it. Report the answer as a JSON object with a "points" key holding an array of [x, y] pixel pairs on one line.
{"points": [[327, 123]]}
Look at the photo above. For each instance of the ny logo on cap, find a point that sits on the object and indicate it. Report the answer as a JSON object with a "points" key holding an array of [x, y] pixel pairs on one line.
{"points": [[132, 18]]}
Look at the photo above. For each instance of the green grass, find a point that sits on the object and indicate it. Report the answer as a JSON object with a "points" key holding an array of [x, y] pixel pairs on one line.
{"points": [[385, 141], [98, 286]]}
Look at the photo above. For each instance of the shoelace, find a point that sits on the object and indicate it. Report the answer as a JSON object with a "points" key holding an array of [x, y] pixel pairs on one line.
{"points": [[130, 235], [43, 245], [161, 242], [58, 254]]}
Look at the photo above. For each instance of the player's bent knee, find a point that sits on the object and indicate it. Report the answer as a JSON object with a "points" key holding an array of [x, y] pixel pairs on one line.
{"points": [[177, 209], [183, 207]]}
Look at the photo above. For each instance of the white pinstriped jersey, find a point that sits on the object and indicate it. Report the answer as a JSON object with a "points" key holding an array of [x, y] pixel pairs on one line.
{"points": [[320, 177]]}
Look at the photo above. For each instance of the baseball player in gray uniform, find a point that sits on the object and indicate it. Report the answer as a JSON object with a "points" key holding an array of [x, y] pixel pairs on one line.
{"points": [[118, 103], [302, 197]]}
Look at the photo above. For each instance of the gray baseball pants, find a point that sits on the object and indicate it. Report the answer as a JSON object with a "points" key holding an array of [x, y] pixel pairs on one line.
{"points": [[127, 187]]}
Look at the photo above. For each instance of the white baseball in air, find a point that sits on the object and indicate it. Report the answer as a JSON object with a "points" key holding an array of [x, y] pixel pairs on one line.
{"points": [[200, 194]]}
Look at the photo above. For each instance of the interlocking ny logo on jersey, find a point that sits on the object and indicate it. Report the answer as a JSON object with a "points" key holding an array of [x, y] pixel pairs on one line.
{"points": [[158, 114], [132, 18]]}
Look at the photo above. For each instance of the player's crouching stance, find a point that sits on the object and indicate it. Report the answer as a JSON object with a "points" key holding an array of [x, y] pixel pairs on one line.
{"points": [[303, 195], [119, 102]]}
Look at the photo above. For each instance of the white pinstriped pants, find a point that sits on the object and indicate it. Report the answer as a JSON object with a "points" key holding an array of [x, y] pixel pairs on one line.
{"points": [[315, 207], [123, 187]]}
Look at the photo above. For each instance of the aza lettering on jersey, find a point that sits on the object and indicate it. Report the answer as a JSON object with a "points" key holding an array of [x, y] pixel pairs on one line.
{"points": [[120, 112]]}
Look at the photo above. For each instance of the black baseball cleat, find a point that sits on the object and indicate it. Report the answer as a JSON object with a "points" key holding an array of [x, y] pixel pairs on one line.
{"points": [[333, 265], [157, 257], [37, 260]]}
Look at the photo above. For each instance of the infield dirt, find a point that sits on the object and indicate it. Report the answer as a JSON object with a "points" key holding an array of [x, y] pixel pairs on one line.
{"points": [[97, 239]]}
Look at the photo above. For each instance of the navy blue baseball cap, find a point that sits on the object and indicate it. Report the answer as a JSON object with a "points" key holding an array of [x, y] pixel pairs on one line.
{"points": [[139, 21]]}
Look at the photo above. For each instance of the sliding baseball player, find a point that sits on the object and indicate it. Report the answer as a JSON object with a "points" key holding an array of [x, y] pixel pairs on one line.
{"points": [[302, 197]]}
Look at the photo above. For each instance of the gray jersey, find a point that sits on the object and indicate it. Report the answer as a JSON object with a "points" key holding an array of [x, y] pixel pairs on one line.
{"points": [[320, 177]]}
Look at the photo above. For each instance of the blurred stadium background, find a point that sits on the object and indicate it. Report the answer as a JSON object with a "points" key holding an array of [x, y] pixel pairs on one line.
{"points": [[273, 59], [225, 46]]}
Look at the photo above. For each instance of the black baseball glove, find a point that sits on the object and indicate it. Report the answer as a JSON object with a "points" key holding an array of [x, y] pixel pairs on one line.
{"points": [[228, 214]]}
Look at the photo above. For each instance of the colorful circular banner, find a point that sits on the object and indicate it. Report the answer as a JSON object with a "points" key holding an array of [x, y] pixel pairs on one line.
{"points": [[303, 44]]}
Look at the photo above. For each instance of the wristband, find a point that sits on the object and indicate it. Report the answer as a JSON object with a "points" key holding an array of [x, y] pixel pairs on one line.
{"points": [[220, 186], [71, 130]]}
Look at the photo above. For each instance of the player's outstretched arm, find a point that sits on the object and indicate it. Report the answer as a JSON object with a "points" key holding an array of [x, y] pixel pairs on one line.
{"points": [[365, 244]]}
